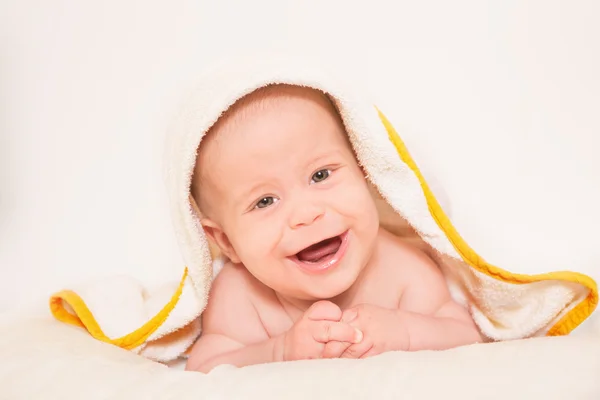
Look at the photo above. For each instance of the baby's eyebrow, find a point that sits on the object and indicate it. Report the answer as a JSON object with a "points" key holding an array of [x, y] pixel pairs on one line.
{"points": [[320, 158], [244, 195]]}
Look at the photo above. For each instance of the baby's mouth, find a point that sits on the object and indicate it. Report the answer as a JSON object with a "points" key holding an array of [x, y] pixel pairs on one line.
{"points": [[320, 251]]}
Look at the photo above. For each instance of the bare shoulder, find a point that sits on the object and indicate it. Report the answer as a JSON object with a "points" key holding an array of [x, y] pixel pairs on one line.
{"points": [[231, 307], [408, 256], [420, 279]]}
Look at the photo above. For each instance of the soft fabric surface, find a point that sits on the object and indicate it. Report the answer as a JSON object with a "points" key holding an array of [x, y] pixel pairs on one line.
{"points": [[45, 359], [120, 311]]}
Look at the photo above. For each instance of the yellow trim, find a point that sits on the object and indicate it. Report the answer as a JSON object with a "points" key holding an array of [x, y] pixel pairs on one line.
{"points": [[83, 317], [569, 321]]}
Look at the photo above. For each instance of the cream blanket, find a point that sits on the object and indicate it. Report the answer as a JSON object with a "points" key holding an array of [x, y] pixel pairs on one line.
{"points": [[161, 325], [43, 359]]}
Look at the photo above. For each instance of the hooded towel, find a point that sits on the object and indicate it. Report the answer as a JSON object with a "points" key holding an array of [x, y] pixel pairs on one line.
{"points": [[504, 303]]}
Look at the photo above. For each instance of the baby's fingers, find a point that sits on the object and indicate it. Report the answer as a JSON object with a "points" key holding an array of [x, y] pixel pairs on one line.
{"points": [[324, 310], [335, 349], [357, 350], [327, 331]]}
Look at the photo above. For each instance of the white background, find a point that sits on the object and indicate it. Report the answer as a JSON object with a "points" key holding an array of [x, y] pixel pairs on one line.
{"points": [[87, 90]]}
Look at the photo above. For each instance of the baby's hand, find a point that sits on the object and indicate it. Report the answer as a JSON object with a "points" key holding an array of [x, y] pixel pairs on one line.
{"points": [[319, 334], [382, 328]]}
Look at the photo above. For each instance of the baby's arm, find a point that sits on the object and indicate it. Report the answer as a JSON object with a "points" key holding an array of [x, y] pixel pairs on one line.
{"points": [[232, 332], [433, 319], [426, 317]]}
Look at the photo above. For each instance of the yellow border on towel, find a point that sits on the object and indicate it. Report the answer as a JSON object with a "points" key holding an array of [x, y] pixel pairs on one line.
{"points": [[84, 318], [569, 321]]}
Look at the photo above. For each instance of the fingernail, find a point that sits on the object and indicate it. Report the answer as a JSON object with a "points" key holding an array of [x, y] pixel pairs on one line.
{"points": [[349, 315], [358, 337]]}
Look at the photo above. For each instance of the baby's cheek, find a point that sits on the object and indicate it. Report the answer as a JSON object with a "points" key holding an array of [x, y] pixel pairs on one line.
{"points": [[362, 205], [257, 241], [262, 257]]}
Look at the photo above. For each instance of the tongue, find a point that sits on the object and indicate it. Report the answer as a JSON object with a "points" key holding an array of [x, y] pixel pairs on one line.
{"points": [[320, 250]]}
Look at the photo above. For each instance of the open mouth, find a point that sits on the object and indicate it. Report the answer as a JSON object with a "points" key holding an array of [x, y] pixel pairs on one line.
{"points": [[320, 251], [322, 255]]}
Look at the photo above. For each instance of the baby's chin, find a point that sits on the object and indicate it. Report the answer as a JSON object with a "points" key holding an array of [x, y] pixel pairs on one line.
{"points": [[323, 289]]}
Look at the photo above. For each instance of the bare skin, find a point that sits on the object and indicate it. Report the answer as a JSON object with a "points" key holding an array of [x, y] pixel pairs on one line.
{"points": [[276, 300]]}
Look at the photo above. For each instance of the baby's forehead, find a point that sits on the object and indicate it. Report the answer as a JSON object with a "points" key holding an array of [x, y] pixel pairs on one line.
{"points": [[257, 103]]}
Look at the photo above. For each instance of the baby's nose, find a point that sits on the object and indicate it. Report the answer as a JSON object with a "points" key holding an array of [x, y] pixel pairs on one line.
{"points": [[304, 215]]}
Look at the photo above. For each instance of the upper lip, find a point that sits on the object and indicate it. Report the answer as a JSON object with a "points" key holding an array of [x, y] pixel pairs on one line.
{"points": [[317, 241]]}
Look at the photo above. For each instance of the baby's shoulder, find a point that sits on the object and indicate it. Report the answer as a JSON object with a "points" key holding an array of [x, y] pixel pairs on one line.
{"points": [[233, 281], [406, 258], [235, 287], [406, 269], [231, 307]]}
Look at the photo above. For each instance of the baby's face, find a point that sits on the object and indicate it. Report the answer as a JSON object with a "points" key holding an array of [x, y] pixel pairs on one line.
{"points": [[286, 197]]}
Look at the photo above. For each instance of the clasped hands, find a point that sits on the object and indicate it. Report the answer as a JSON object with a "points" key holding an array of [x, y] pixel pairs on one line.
{"points": [[325, 331]]}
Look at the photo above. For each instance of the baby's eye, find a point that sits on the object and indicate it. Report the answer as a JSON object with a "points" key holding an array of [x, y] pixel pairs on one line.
{"points": [[265, 202], [320, 175]]}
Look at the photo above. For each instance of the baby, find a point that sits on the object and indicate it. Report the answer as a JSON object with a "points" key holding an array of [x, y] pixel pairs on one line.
{"points": [[311, 272]]}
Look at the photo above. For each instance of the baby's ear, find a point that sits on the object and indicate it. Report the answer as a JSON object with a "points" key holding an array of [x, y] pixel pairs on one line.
{"points": [[217, 236]]}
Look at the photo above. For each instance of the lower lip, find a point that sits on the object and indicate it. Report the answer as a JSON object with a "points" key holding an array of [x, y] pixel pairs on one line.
{"points": [[328, 264]]}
